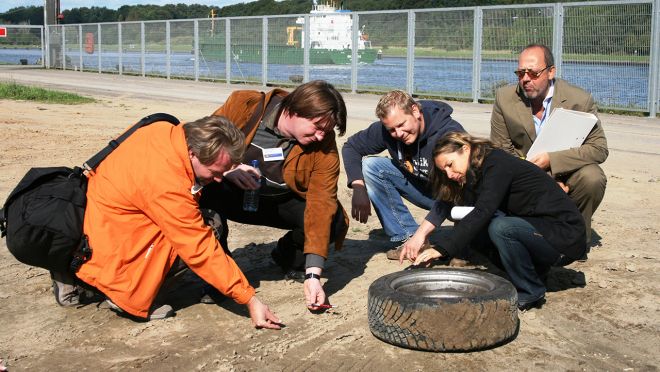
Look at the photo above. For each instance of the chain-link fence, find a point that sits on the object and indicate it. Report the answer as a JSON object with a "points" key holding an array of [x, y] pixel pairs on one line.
{"points": [[610, 48]]}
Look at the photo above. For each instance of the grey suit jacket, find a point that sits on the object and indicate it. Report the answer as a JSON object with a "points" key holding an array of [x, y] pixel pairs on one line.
{"points": [[512, 126]]}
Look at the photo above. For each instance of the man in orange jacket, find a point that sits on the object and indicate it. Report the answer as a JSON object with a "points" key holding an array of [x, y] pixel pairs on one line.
{"points": [[143, 218]]}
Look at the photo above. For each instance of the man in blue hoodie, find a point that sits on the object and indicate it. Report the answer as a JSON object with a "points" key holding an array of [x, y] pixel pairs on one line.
{"points": [[408, 130]]}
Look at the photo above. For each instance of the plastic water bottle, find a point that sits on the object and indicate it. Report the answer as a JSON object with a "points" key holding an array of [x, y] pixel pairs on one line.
{"points": [[251, 197]]}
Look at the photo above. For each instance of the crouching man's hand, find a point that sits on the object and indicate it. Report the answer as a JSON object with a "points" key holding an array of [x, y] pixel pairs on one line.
{"points": [[261, 315], [314, 294]]}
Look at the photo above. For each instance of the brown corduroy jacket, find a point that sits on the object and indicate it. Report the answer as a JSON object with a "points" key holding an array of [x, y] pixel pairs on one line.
{"points": [[311, 171]]}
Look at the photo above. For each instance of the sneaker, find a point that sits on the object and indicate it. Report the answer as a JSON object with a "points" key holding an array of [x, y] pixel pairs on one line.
{"points": [[394, 253], [65, 294], [64, 288], [161, 312]]}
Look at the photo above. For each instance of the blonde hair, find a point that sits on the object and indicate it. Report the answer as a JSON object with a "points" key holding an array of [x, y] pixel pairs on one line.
{"points": [[397, 98], [208, 135], [443, 187]]}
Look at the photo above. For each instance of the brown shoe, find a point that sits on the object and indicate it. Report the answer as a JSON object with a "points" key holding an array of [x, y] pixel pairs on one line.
{"points": [[394, 253]]}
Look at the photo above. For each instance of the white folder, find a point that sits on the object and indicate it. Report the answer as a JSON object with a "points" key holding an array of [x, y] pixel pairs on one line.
{"points": [[565, 129]]}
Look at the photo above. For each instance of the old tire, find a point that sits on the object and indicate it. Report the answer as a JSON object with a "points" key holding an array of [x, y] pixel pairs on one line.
{"points": [[443, 309]]}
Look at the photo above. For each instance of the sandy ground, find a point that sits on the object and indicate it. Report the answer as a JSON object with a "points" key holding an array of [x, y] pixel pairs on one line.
{"points": [[602, 314]]}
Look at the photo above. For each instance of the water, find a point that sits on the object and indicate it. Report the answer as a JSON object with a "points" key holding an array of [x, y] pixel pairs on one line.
{"points": [[612, 85]]}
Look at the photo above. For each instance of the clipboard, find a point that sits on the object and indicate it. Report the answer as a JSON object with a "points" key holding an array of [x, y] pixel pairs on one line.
{"points": [[564, 130]]}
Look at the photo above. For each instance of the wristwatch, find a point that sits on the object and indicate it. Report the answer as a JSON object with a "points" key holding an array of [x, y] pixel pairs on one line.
{"points": [[312, 276]]}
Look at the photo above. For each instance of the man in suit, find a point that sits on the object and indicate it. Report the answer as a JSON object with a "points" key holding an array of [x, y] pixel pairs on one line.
{"points": [[521, 111]]}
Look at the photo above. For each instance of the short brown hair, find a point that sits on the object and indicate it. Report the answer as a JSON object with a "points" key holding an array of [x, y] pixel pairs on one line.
{"points": [[318, 99], [397, 98], [208, 135]]}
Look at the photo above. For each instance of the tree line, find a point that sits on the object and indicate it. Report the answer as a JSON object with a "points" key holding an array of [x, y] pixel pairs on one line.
{"points": [[34, 15]]}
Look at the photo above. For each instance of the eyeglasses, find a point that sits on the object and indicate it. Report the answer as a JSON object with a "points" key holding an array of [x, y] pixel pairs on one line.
{"points": [[532, 74]]}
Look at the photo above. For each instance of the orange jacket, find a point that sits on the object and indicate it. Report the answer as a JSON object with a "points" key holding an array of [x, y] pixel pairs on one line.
{"points": [[311, 171], [141, 215]]}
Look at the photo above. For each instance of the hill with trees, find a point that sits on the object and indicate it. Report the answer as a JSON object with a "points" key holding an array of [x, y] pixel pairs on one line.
{"points": [[34, 15]]}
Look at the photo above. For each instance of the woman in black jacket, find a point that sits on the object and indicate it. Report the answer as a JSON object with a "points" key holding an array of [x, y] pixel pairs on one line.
{"points": [[536, 225]]}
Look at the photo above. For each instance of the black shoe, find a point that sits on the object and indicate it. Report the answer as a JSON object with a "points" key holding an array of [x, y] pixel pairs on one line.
{"points": [[295, 275], [211, 296], [288, 259], [583, 258], [536, 304]]}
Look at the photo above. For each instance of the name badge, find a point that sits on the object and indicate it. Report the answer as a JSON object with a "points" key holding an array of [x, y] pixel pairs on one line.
{"points": [[273, 154]]}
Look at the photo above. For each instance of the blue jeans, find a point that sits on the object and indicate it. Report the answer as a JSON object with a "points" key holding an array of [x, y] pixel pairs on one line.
{"points": [[386, 185], [525, 254]]}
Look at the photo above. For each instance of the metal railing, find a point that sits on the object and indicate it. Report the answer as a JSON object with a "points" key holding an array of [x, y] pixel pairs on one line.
{"points": [[610, 48]]}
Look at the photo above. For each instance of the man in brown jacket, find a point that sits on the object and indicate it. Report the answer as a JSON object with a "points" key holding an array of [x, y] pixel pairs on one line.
{"points": [[291, 135], [520, 112]]}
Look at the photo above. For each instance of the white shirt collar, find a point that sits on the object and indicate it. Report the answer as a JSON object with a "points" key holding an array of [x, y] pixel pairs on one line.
{"points": [[196, 188]]}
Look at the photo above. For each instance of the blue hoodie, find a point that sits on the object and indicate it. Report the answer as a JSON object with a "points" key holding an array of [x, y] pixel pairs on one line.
{"points": [[376, 138]]}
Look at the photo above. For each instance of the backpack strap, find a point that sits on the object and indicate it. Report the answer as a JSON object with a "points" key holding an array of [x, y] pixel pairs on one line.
{"points": [[95, 160], [254, 119]]}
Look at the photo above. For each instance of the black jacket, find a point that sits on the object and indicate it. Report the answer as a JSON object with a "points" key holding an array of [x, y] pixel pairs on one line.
{"points": [[375, 139], [521, 189]]}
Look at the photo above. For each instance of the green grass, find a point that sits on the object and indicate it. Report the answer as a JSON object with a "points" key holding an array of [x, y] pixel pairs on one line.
{"points": [[27, 93]]}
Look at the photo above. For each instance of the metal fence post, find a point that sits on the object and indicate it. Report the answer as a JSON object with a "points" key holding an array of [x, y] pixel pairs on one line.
{"points": [[558, 36], [196, 48], [44, 47], [63, 29], [168, 50], [654, 68], [476, 53], [142, 50], [264, 51], [306, 46], [354, 51], [410, 54], [120, 48], [46, 43], [228, 50], [80, 49], [98, 28]]}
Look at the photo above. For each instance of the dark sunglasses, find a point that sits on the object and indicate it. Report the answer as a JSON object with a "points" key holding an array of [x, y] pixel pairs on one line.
{"points": [[532, 74]]}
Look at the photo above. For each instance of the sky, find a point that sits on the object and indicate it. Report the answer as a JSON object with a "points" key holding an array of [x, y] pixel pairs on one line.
{"points": [[112, 4]]}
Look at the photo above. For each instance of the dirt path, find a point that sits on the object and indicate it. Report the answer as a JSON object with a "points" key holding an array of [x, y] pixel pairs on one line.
{"points": [[603, 314]]}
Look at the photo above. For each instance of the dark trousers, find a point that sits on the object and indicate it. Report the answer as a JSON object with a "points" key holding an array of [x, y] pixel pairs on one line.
{"points": [[285, 212], [525, 255]]}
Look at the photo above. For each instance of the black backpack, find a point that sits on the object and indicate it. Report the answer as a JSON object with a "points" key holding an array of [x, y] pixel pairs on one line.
{"points": [[43, 216]]}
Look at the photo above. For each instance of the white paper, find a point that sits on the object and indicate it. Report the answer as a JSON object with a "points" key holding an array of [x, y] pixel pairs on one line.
{"points": [[565, 129], [458, 213], [273, 154]]}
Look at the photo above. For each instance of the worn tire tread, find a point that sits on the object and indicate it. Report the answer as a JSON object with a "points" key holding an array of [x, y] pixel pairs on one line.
{"points": [[416, 323]]}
